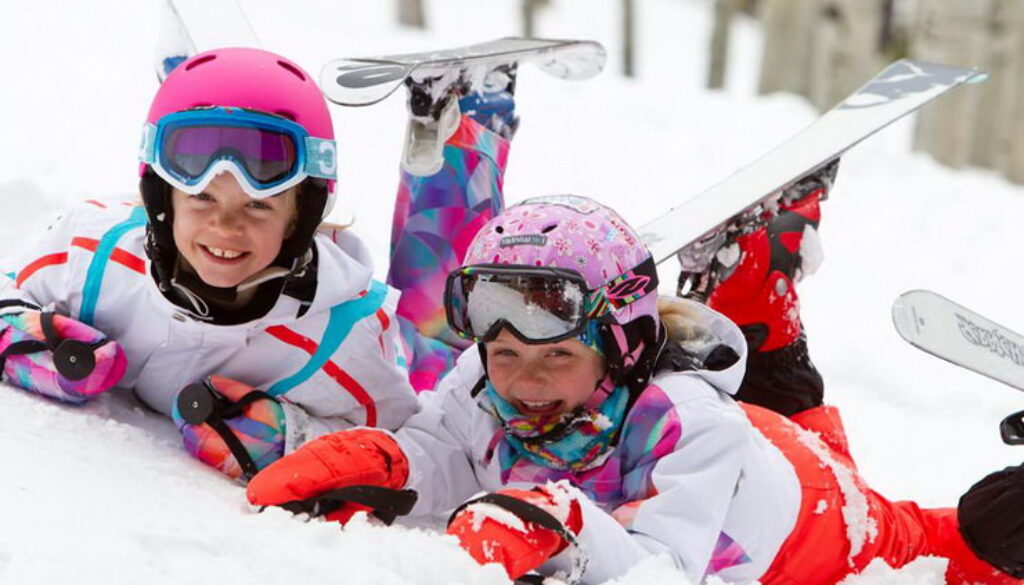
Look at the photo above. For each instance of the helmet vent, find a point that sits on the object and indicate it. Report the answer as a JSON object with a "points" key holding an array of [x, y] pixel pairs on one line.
{"points": [[549, 228], [199, 61], [294, 71]]}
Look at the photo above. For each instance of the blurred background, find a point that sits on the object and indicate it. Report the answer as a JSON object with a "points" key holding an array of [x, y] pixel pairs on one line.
{"points": [[825, 49]]}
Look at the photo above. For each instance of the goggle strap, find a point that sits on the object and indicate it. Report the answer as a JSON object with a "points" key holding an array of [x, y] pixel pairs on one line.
{"points": [[321, 160], [147, 150], [624, 289]]}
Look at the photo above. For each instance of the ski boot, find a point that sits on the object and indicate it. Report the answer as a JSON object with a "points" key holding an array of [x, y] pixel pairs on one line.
{"points": [[437, 101], [752, 281]]}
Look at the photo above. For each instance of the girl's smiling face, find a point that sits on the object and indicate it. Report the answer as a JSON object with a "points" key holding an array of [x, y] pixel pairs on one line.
{"points": [[225, 236], [546, 379]]}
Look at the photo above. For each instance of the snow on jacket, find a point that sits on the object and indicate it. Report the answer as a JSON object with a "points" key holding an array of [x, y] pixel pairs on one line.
{"points": [[690, 476], [337, 366]]}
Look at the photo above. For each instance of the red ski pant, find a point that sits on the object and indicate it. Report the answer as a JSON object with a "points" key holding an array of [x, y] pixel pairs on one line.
{"points": [[843, 525]]}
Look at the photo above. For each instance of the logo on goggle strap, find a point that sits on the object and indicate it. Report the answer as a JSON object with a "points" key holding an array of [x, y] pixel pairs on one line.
{"points": [[527, 240], [627, 287]]}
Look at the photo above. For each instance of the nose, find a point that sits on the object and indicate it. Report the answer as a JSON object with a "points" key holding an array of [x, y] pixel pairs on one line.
{"points": [[227, 221], [530, 379]]}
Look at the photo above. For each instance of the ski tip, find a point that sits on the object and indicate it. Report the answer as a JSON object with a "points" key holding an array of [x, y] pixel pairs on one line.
{"points": [[904, 316], [980, 76], [350, 82], [952, 73]]}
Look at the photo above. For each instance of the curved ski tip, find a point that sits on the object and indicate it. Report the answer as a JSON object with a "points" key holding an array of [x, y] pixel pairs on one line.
{"points": [[966, 75], [980, 76], [902, 315], [575, 60], [350, 82]]}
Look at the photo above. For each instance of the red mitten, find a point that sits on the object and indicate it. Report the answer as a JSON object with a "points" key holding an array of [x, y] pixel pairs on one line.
{"points": [[494, 528], [359, 457]]}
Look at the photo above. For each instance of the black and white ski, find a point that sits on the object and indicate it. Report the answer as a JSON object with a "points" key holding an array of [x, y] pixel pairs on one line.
{"points": [[188, 27], [694, 229], [937, 325], [368, 80]]}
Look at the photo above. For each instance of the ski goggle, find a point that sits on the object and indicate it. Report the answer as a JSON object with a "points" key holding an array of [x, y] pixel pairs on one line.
{"points": [[537, 305], [266, 153]]}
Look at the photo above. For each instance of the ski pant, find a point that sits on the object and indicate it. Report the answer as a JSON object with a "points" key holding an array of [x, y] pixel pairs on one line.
{"points": [[435, 220], [843, 525]]}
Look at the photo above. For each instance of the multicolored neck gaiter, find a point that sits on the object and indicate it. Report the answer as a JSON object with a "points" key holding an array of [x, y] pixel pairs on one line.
{"points": [[571, 441]]}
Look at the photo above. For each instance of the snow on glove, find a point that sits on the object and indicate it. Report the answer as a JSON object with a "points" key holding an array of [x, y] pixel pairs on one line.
{"points": [[756, 272], [230, 426], [347, 459], [519, 529], [56, 356]]}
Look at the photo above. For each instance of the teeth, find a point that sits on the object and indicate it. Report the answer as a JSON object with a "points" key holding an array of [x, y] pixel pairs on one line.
{"points": [[221, 253], [538, 405]]}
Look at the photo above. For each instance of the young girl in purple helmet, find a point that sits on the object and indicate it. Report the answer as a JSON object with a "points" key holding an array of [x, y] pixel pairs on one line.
{"points": [[600, 426], [222, 300]]}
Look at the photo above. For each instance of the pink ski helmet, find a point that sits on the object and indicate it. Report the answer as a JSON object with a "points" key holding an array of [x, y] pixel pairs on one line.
{"points": [[579, 234], [250, 79]]}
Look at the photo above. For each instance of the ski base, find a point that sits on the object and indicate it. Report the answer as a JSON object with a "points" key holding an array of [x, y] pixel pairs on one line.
{"points": [[368, 80]]}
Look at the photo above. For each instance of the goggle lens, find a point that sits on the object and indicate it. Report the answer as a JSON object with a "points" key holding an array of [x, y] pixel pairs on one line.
{"points": [[538, 308], [267, 156]]}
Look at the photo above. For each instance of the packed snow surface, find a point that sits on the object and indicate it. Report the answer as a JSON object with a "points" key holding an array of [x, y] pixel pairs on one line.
{"points": [[104, 493]]}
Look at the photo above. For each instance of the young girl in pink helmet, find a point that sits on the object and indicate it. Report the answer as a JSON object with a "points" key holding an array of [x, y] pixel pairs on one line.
{"points": [[600, 425], [222, 300]]}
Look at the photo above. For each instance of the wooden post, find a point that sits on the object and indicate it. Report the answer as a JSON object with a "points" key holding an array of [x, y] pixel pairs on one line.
{"points": [[529, 12], [1015, 125], [410, 13], [628, 39], [724, 10], [1007, 55], [787, 45], [955, 33]]}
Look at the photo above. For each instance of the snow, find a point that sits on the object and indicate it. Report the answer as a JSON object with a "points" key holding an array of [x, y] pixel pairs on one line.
{"points": [[861, 528], [106, 492], [922, 571]]}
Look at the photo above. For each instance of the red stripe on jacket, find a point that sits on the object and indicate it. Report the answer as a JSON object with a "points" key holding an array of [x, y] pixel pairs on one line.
{"points": [[118, 255], [48, 260], [331, 369], [385, 322]]}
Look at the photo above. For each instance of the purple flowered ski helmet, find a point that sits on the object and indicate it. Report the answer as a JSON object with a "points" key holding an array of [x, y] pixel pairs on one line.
{"points": [[579, 234]]}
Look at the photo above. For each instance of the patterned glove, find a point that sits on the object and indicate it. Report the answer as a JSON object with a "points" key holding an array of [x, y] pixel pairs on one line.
{"points": [[56, 356], [355, 458], [519, 529], [230, 426]]}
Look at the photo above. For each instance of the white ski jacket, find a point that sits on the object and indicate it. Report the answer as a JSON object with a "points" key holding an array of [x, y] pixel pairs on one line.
{"points": [[690, 477], [339, 365]]}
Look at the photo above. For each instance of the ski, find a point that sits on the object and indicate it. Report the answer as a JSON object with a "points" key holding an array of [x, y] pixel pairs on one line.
{"points": [[368, 80], [695, 229], [188, 27], [937, 325]]}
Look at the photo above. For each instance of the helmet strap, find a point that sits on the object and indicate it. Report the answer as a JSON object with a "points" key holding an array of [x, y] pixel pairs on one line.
{"points": [[632, 351], [187, 290]]}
